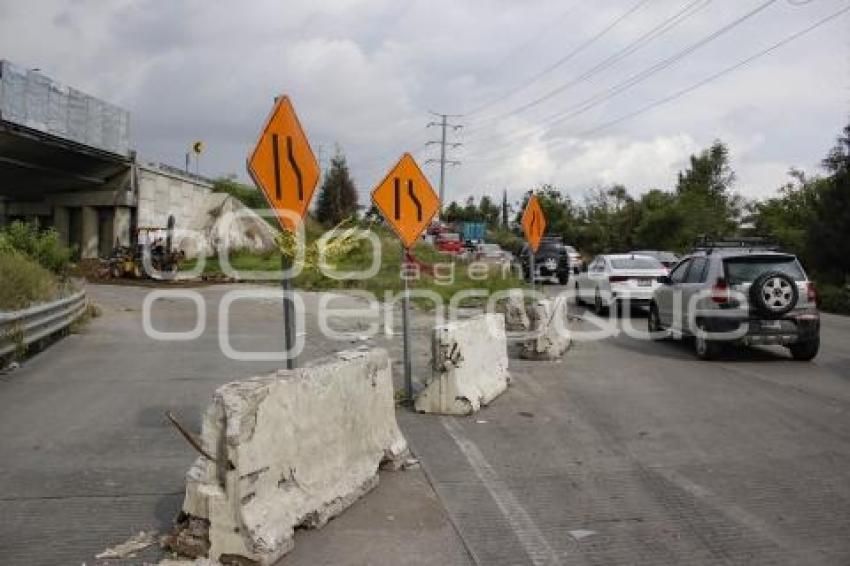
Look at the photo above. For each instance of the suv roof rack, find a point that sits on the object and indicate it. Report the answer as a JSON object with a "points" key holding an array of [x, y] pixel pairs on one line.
{"points": [[708, 244]]}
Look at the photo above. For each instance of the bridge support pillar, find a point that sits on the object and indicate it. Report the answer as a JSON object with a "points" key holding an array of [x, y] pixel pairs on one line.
{"points": [[62, 223], [121, 226], [90, 241]]}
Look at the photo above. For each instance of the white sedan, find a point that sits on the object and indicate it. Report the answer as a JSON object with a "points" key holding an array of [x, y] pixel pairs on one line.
{"points": [[618, 278]]}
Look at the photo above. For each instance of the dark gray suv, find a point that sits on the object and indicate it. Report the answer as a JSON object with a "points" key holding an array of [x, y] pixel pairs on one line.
{"points": [[727, 294]]}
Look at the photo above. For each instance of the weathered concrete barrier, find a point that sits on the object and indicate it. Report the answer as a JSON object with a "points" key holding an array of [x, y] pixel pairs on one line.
{"points": [[292, 449], [469, 366], [516, 318], [549, 337]]}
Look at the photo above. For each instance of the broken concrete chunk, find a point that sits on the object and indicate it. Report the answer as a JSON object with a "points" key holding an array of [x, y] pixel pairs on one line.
{"points": [[130, 547]]}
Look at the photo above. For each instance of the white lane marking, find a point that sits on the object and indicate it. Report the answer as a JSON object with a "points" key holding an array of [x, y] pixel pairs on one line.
{"points": [[532, 540]]}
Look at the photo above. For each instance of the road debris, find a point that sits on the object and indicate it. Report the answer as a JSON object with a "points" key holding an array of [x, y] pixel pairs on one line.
{"points": [[130, 547], [189, 538], [580, 534]]}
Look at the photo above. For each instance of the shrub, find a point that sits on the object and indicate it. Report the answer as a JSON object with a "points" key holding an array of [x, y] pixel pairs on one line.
{"points": [[43, 246], [24, 281], [832, 298]]}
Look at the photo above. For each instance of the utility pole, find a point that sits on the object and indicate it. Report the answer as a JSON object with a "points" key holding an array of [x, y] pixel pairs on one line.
{"points": [[444, 126]]}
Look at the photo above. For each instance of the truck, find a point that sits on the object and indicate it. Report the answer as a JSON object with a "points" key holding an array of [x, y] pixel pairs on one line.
{"points": [[473, 232]]}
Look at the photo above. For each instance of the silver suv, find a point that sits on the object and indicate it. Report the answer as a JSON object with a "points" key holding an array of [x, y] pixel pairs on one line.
{"points": [[738, 293]]}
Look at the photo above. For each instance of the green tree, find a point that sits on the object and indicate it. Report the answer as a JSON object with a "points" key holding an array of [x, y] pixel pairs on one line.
{"points": [[247, 194], [338, 196], [705, 200], [660, 221], [829, 233]]}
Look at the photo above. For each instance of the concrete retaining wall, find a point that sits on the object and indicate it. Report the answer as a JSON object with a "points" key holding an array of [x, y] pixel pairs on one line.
{"points": [[469, 366], [294, 448], [163, 194], [550, 336]]}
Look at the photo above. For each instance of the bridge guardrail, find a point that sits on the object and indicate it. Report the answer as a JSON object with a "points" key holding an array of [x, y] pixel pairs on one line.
{"points": [[21, 328]]}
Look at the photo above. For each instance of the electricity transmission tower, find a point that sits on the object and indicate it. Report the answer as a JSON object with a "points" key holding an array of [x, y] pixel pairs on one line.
{"points": [[444, 126]]}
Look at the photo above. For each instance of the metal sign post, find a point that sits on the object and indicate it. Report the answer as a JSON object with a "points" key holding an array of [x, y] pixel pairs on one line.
{"points": [[408, 203], [285, 169], [289, 329], [405, 321]]}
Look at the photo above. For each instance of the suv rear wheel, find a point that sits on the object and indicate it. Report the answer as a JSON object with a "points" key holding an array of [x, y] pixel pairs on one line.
{"points": [[805, 351], [706, 349]]}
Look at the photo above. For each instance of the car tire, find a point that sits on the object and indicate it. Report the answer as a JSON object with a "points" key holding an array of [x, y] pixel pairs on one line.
{"points": [[563, 278], [598, 307], [774, 294], [805, 351], [653, 323], [706, 349]]}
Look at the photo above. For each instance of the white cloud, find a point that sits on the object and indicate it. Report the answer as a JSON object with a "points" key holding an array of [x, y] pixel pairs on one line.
{"points": [[364, 73]]}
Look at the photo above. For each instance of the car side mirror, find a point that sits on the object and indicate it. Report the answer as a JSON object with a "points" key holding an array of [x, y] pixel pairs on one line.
{"points": [[665, 280]]}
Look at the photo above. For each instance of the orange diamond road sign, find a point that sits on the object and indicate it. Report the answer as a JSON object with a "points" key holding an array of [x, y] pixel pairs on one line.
{"points": [[533, 223], [406, 199], [283, 165]]}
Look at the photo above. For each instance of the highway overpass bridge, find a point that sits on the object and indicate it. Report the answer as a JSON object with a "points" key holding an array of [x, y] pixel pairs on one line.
{"points": [[66, 161]]}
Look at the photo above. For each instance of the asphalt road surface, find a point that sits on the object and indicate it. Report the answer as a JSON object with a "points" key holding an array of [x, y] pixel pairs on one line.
{"points": [[625, 452]]}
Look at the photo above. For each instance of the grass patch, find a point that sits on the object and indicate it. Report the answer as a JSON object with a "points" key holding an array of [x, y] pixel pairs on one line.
{"points": [[388, 277], [25, 282]]}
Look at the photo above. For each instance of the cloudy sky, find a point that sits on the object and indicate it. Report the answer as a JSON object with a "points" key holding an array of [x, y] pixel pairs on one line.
{"points": [[540, 84]]}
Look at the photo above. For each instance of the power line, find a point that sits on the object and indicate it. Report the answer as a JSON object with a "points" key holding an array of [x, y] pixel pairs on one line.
{"points": [[600, 97], [537, 36], [711, 78], [719, 74], [581, 47], [691, 8]]}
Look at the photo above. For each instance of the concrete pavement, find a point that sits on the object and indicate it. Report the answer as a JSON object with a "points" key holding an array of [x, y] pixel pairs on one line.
{"points": [[89, 458], [625, 452]]}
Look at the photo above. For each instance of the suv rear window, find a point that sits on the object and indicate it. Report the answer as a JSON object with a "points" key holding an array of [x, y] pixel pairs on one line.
{"points": [[746, 269], [636, 263]]}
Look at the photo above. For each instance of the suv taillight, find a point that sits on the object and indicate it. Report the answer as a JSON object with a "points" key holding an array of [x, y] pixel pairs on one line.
{"points": [[720, 292], [811, 293]]}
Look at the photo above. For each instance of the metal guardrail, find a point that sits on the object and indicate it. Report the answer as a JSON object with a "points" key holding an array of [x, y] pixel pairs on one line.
{"points": [[21, 328]]}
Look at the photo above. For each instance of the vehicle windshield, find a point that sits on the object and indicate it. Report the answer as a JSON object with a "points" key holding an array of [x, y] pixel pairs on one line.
{"points": [[636, 262], [660, 256], [747, 269]]}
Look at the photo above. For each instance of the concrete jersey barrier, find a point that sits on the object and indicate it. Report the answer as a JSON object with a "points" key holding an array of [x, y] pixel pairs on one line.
{"points": [[293, 448], [469, 366], [550, 335]]}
